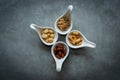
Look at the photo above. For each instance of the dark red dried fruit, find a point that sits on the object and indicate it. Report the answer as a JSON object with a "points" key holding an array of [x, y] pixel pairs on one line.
{"points": [[60, 51]]}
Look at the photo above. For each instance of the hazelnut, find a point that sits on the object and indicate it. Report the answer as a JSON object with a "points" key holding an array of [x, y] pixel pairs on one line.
{"points": [[50, 40], [48, 35], [51, 31], [44, 36], [45, 31], [47, 40], [52, 35]]}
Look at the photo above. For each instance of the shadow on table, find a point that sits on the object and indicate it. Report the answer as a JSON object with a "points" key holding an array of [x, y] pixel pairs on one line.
{"points": [[82, 52]]}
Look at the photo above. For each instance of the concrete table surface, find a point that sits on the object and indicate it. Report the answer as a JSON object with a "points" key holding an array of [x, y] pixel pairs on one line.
{"points": [[24, 57]]}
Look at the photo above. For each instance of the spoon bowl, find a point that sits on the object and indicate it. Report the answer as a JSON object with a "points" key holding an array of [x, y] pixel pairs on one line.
{"points": [[39, 29], [85, 42], [67, 15]]}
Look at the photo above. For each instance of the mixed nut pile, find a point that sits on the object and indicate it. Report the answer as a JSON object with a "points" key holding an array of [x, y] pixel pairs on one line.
{"points": [[48, 35], [63, 23]]}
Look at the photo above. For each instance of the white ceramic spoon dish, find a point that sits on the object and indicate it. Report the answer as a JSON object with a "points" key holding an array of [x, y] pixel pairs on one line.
{"points": [[85, 42], [59, 62], [38, 29], [67, 14]]}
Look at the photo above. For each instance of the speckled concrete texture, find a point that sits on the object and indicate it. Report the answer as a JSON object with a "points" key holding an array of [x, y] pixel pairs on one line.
{"points": [[24, 57]]}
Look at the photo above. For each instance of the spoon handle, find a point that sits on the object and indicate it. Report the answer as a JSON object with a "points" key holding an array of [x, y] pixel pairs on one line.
{"points": [[70, 7], [58, 66], [35, 27], [90, 44]]}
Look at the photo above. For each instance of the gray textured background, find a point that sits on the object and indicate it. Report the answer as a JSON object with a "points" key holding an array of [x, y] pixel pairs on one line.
{"points": [[24, 57]]}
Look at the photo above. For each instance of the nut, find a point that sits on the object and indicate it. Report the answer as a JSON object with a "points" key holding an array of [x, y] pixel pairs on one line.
{"points": [[52, 35], [50, 40], [51, 31], [63, 23], [48, 35], [45, 31], [75, 33], [44, 36], [75, 38]]}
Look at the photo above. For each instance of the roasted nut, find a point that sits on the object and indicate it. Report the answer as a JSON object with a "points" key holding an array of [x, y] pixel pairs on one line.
{"points": [[63, 23], [78, 40], [44, 36], [75, 33], [59, 23], [45, 31], [47, 40], [50, 40], [48, 35], [51, 31], [52, 35], [61, 19]]}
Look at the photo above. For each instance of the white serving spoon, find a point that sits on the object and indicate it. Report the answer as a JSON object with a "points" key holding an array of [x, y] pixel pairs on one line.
{"points": [[38, 29], [59, 62], [67, 14], [85, 42]]}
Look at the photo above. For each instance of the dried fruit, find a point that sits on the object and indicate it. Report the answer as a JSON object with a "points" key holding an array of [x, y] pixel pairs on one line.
{"points": [[60, 51]]}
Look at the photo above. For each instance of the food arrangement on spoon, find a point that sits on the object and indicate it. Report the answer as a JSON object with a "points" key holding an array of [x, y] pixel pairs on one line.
{"points": [[74, 39]]}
